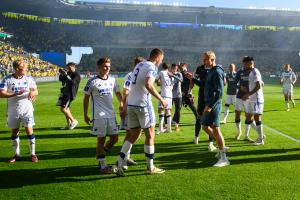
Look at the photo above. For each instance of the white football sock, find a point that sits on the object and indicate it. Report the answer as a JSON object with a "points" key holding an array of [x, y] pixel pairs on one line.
{"points": [[149, 150]]}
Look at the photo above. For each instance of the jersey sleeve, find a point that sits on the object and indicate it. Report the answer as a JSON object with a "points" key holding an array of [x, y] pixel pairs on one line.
{"points": [[3, 84], [257, 76], [88, 87], [127, 82], [152, 73], [32, 83]]}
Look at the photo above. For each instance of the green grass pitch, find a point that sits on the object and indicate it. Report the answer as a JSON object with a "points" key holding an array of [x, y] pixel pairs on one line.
{"points": [[68, 169]]}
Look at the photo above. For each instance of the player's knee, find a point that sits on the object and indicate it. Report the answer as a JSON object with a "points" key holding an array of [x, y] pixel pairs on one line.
{"points": [[63, 109], [114, 139]]}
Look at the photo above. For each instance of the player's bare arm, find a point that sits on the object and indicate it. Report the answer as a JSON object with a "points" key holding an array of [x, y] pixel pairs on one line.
{"points": [[86, 100], [149, 86]]}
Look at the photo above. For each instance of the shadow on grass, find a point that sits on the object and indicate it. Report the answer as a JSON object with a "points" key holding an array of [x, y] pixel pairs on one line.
{"points": [[273, 110], [57, 135], [24, 177], [172, 156], [38, 129]]}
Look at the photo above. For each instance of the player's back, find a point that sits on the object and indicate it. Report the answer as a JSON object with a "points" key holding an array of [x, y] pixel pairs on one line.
{"points": [[166, 84], [139, 95]]}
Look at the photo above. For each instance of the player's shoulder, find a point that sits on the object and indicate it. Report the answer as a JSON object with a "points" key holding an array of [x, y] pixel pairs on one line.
{"points": [[92, 80], [8, 77], [28, 77], [255, 71], [149, 64]]}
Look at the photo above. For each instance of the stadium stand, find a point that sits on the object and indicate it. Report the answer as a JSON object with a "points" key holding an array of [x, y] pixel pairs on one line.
{"points": [[123, 31], [37, 67]]}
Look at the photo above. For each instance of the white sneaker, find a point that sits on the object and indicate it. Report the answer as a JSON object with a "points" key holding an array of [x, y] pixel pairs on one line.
{"points": [[223, 122], [258, 143], [119, 172], [155, 170], [212, 148], [73, 124], [195, 140], [288, 110], [238, 136], [67, 127], [160, 131], [222, 163], [218, 154]]}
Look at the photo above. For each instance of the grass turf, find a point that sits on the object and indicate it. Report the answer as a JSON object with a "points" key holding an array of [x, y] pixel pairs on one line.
{"points": [[68, 170]]}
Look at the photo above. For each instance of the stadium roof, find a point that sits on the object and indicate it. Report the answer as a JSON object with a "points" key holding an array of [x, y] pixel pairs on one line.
{"points": [[186, 9]]}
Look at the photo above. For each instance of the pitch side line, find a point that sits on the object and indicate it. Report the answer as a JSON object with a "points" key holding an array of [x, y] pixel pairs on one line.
{"points": [[282, 134]]}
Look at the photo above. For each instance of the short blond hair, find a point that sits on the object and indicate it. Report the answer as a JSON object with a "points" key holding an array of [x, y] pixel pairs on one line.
{"points": [[210, 54], [19, 64]]}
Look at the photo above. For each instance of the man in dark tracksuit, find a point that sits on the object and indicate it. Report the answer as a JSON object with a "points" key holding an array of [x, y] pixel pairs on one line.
{"points": [[213, 93], [70, 79], [199, 79]]}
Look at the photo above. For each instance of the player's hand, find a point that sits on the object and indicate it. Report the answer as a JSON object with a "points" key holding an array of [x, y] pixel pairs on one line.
{"points": [[87, 120], [189, 75], [20, 93], [245, 97], [164, 103], [207, 109], [31, 97], [123, 111], [170, 74]]}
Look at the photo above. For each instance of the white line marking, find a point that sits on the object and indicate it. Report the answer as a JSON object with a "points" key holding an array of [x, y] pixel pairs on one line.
{"points": [[282, 134]]}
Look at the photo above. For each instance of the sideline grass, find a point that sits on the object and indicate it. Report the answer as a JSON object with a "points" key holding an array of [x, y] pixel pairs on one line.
{"points": [[68, 169]]}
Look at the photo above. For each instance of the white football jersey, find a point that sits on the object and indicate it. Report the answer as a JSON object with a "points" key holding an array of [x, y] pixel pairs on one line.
{"points": [[101, 92], [20, 103], [287, 78], [127, 81], [139, 95], [254, 77], [166, 84]]}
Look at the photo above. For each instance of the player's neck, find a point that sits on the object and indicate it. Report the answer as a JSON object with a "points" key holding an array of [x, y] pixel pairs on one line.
{"points": [[16, 76], [103, 76]]}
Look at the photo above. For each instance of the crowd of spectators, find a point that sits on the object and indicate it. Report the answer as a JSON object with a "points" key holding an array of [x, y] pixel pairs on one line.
{"points": [[271, 49], [37, 67]]}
